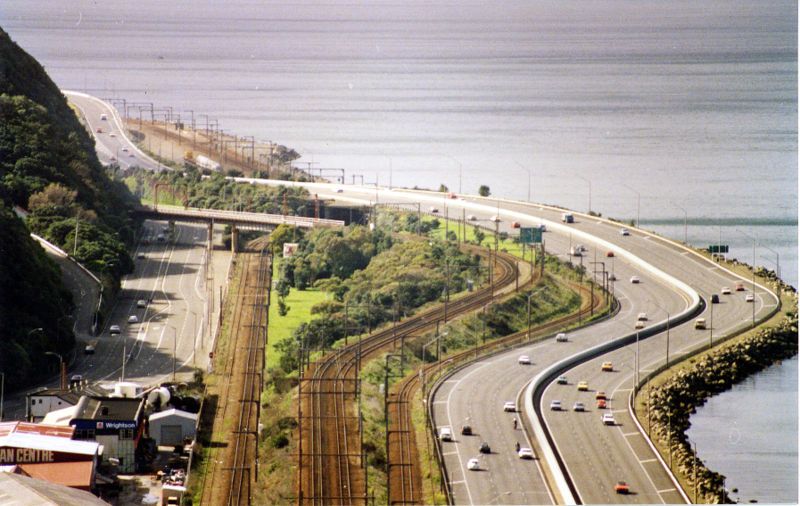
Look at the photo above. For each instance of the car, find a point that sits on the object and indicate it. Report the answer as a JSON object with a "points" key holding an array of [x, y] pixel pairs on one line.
{"points": [[495, 219], [525, 453], [610, 254], [567, 218], [635, 280], [562, 380], [600, 395], [749, 298], [607, 367], [89, 349], [99, 130], [112, 159], [576, 250], [445, 434], [434, 209], [161, 238], [542, 227], [466, 430], [555, 405], [515, 224], [739, 286], [583, 386], [700, 323], [561, 337], [76, 377], [714, 298], [131, 155], [485, 448], [103, 117], [472, 217], [141, 303], [473, 465], [114, 329], [642, 317], [133, 319], [725, 290], [524, 359], [612, 277], [124, 149], [339, 190], [621, 488], [112, 134], [510, 406], [608, 419], [624, 231], [452, 195], [140, 256], [601, 404], [640, 325], [578, 406]]}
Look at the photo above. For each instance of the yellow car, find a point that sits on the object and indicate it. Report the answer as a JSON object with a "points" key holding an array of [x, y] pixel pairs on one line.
{"points": [[583, 386], [607, 367]]}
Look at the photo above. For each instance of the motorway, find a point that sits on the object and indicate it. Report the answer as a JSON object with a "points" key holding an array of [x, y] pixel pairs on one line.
{"points": [[594, 455]]}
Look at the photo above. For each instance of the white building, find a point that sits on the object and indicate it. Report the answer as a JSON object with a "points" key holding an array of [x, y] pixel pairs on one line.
{"points": [[171, 426]]}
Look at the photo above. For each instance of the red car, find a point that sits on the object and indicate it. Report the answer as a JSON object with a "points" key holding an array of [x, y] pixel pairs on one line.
{"points": [[601, 403], [515, 224], [609, 253], [621, 488]]}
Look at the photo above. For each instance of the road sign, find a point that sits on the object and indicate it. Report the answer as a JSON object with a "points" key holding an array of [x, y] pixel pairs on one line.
{"points": [[530, 235], [718, 248]]}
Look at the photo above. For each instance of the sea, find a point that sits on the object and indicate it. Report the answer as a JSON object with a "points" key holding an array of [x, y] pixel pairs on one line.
{"points": [[680, 115]]}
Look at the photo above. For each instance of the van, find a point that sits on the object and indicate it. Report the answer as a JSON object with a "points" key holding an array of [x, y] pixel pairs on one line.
{"points": [[700, 323], [561, 338], [567, 218]]}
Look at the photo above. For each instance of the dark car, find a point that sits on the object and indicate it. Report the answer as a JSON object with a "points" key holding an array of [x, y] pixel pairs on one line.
{"points": [[485, 448], [714, 298], [466, 430]]}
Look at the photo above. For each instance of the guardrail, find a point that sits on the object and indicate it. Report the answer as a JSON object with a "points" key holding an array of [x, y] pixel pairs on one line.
{"points": [[240, 216]]}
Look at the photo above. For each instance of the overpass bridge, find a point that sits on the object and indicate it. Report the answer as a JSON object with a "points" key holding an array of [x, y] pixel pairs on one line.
{"points": [[236, 219]]}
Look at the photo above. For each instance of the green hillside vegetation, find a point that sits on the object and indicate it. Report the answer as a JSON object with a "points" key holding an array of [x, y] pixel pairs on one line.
{"points": [[31, 301], [48, 167]]}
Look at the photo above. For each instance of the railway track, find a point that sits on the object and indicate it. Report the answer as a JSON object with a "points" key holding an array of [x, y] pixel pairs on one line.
{"points": [[231, 466], [404, 464], [331, 463]]}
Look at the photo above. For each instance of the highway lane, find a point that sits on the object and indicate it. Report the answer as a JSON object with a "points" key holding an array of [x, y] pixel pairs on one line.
{"points": [[111, 144], [171, 280]]}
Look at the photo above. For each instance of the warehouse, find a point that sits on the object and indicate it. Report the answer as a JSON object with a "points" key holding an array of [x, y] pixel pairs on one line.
{"points": [[171, 427]]}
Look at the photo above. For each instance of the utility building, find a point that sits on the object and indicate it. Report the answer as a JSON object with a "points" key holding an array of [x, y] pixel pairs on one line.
{"points": [[172, 426]]}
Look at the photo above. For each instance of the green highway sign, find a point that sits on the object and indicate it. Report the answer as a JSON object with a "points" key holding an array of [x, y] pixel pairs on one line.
{"points": [[718, 248], [530, 235]]}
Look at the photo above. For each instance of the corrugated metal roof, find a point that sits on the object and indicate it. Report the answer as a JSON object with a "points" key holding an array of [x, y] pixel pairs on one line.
{"points": [[71, 474], [108, 408], [52, 443], [22, 491], [7, 428], [173, 412]]}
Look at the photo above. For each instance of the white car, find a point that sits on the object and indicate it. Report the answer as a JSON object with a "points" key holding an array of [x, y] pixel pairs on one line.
{"points": [[525, 453], [562, 380], [555, 405], [725, 290], [112, 134], [141, 303], [635, 280], [445, 434], [114, 329], [103, 117], [473, 465], [339, 190], [133, 319], [578, 406], [624, 231], [76, 377], [612, 277], [524, 360], [639, 325], [561, 338], [472, 217], [124, 149], [510, 406], [140, 256], [495, 219], [642, 317], [608, 419], [749, 298], [89, 349], [434, 209]]}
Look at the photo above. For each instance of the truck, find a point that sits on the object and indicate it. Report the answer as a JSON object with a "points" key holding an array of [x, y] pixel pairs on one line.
{"points": [[201, 162]]}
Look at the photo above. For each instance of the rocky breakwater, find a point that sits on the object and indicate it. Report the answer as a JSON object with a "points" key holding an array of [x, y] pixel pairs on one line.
{"points": [[675, 400]]}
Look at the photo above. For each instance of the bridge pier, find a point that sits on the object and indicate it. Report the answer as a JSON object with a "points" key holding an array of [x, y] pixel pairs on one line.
{"points": [[234, 239], [210, 242]]}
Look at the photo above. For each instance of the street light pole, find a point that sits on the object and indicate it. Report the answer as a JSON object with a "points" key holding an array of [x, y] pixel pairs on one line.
{"points": [[590, 192], [638, 203], [685, 220]]}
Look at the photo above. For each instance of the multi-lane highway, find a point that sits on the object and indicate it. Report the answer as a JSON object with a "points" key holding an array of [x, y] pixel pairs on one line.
{"points": [[674, 282]]}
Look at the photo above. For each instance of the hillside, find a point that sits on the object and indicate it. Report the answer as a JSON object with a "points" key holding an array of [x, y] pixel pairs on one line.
{"points": [[48, 167]]}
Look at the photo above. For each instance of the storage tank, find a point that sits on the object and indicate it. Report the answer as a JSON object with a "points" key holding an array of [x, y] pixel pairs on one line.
{"points": [[127, 389]]}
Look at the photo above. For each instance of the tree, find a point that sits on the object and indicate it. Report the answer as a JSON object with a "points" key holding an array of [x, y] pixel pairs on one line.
{"points": [[479, 236], [483, 191], [443, 188], [55, 199]]}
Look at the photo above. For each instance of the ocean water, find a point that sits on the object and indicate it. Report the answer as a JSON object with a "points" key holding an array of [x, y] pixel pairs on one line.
{"points": [[761, 464], [663, 110]]}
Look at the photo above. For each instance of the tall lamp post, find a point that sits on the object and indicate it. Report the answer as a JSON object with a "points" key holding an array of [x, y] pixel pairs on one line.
{"points": [[638, 203], [530, 177], [590, 191], [685, 223], [754, 272], [661, 308]]}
